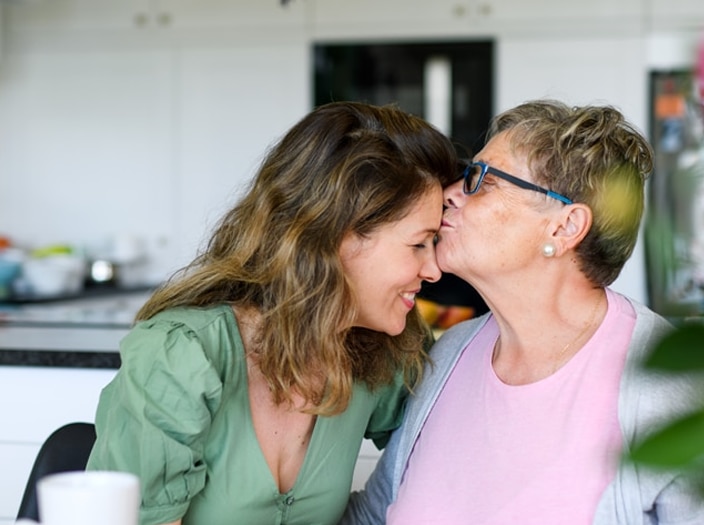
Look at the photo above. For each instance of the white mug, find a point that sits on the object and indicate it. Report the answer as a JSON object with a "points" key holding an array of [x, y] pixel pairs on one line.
{"points": [[89, 498]]}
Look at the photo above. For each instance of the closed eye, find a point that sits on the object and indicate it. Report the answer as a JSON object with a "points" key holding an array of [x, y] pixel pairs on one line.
{"points": [[429, 242]]}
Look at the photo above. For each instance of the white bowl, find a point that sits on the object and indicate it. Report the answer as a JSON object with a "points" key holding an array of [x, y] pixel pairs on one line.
{"points": [[54, 275]]}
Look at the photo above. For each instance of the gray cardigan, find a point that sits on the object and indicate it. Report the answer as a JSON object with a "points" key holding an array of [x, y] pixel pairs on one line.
{"points": [[635, 496]]}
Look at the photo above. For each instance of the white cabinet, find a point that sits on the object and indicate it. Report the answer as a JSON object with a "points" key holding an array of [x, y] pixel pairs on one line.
{"points": [[16, 460], [156, 18], [472, 18], [244, 15], [667, 15], [80, 16], [363, 12], [35, 402], [404, 19], [537, 11], [557, 17]]}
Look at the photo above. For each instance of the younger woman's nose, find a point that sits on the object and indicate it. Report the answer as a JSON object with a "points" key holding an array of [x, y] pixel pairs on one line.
{"points": [[431, 271]]}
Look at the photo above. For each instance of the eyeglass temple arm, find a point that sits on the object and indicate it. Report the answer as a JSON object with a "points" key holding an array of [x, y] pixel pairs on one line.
{"points": [[529, 186], [559, 197]]}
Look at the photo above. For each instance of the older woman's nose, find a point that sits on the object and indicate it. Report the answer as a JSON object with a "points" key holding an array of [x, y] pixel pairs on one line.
{"points": [[453, 195]]}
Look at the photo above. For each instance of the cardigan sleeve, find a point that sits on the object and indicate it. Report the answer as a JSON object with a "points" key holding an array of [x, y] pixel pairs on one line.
{"points": [[647, 401], [368, 507]]}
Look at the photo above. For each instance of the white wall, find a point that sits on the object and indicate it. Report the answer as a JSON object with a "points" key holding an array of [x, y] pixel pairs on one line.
{"points": [[112, 126], [581, 70], [147, 117]]}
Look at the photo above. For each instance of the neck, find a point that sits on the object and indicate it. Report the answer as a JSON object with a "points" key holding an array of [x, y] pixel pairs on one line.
{"points": [[536, 344]]}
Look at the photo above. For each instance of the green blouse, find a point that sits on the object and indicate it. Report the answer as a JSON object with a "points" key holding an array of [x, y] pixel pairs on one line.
{"points": [[177, 414]]}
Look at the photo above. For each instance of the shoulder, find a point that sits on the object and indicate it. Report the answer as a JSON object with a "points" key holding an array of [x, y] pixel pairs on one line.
{"points": [[183, 338], [456, 338], [649, 398], [207, 324], [192, 318], [444, 355], [649, 325], [648, 330]]}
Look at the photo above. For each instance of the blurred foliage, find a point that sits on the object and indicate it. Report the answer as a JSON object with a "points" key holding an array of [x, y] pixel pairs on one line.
{"points": [[679, 351], [680, 444]]}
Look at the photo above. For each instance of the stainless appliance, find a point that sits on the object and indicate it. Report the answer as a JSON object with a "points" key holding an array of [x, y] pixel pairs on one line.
{"points": [[675, 215]]}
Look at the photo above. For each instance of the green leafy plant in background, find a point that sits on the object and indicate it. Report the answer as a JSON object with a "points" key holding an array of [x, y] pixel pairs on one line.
{"points": [[680, 444]]}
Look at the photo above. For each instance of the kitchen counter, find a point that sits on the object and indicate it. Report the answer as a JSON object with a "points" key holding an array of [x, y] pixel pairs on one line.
{"points": [[76, 333]]}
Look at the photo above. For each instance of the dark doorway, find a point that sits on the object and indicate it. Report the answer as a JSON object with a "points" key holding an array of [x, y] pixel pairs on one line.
{"points": [[382, 73], [397, 72]]}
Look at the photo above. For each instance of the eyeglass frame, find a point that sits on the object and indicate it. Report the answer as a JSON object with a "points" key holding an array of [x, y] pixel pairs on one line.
{"points": [[485, 168]]}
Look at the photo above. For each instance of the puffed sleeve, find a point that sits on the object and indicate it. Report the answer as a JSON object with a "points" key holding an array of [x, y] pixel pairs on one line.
{"points": [[153, 418]]}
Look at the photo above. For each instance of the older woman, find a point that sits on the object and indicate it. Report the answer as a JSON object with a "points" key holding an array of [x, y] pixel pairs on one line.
{"points": [[528, 408]]}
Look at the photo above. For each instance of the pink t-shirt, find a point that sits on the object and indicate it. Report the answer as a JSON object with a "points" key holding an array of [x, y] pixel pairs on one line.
{"points": [[542, 453]]}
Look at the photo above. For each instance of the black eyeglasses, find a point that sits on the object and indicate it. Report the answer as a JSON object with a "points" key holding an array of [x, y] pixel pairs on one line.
{"points": [[474, 173]]}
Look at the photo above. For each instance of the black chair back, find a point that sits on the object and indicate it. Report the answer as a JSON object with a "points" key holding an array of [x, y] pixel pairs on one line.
{"points": [[66, 449]]}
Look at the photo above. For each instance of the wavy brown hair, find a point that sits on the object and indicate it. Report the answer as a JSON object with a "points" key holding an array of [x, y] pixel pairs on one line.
{"points": [[345, 167], [594, 156]]}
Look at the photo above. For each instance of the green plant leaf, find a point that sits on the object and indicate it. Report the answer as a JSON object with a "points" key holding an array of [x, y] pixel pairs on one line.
{"points": [[678, 445], [680, 350]]}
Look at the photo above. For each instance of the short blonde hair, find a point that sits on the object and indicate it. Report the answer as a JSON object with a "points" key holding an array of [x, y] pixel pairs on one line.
{"points": [[594, 156]]}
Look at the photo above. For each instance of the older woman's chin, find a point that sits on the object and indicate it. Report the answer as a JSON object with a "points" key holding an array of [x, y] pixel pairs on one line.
{"points": [[457, 267], [444, 259], [445, 268]]}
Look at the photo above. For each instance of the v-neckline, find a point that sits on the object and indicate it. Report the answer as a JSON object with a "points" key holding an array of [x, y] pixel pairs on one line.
{"points": [[252, 434]]}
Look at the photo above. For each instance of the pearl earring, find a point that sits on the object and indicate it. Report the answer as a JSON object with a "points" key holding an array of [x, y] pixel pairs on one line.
{"points": [[549, 249]]}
